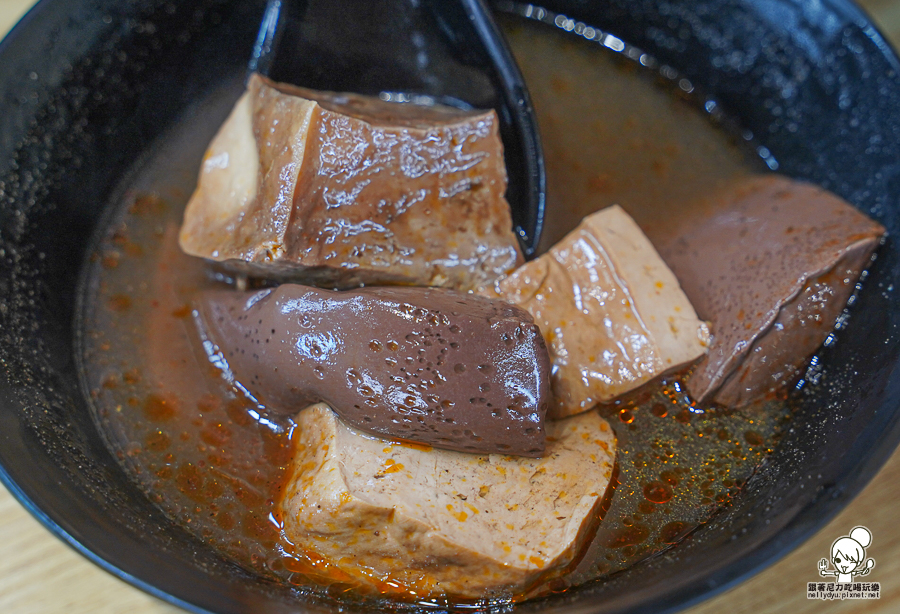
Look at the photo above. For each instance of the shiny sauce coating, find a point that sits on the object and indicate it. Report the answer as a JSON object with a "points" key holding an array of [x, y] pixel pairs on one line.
{"points": [[426, 365], [216, 463]]}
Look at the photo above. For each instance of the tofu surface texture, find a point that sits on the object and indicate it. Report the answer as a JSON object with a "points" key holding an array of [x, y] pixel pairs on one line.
{"points": [[439, 522], [772, 271], [612, 313], [341, 189]]}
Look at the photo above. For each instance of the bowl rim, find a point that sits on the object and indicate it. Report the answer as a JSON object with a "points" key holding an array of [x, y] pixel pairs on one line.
{"points": [[808, 520]]}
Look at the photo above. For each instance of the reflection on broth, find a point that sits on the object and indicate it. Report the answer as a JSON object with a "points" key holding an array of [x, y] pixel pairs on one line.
{"points": [[217, 463], [613, 132]]}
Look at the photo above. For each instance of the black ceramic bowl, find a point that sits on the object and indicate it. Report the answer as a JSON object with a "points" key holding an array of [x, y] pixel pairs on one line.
{"points": [[87, 86]]}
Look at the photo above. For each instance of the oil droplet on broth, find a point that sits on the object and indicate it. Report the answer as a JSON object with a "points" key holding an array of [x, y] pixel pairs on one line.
{"points": [[674, 479], [753, 438], [669, 477], [674, 532], [628, 536], [158, 408], [658, 492]]}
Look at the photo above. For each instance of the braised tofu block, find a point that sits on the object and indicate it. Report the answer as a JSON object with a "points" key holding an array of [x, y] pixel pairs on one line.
{"points": [[341, 189], [430, 365], [772, 271], [612, 313], [442, 522]]}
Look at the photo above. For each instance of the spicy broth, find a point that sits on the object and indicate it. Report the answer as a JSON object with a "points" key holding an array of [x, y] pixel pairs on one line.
{"points": [[216, 464]]}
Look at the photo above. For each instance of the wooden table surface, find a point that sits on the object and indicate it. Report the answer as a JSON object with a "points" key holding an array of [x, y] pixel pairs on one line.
{"points": [[41, 575]]}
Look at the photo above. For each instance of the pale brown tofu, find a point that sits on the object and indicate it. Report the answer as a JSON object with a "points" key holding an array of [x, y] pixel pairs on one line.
{"points": [[611, 312], [340, 189], [440, 522]]}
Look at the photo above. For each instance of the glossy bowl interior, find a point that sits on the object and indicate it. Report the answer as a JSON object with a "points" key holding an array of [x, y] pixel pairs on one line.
{"points": [[87, 88]]}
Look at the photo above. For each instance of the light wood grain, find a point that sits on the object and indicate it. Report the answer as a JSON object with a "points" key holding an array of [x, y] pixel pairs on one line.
{"points": [[41, 575]]}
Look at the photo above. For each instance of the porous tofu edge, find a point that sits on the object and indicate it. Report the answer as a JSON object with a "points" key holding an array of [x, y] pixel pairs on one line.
{"points": [[447, 567], [458, 490], [378, 531]]}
